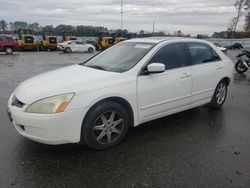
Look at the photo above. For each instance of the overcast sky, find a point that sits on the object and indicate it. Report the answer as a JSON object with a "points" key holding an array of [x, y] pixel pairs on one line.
{"points": [[189, 16]]}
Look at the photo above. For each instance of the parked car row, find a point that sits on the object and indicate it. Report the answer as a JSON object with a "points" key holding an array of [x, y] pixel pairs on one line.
{"points": [[28, 42]]}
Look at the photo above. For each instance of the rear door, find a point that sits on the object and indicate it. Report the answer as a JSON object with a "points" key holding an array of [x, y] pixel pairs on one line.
{"points": [[79, 46], [159, 94], [207, 70]]}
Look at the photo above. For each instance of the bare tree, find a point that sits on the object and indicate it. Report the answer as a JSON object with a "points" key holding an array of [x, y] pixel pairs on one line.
{"points": [[240, 6], [247, 22], [247, 16]]}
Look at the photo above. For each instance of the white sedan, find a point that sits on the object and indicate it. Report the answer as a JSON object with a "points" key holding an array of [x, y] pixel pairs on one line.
{"points": [[76, 46], [133, 82]]}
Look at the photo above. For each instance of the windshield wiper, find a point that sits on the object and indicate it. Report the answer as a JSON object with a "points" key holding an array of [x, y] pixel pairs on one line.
{"points": [[97, 67]]}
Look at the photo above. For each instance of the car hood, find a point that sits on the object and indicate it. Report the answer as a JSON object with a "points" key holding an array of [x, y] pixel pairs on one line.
{"points": [[76, 78]]}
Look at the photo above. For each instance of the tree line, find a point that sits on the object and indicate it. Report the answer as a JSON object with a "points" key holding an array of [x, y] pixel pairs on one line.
{"points": [[36, 29]]}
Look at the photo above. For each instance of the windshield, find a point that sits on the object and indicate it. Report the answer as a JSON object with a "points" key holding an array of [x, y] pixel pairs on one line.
{"points": [[121, 57]]}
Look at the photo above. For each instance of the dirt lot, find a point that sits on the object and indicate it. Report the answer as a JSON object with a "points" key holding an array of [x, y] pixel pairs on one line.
{"points": [[196, 148]]}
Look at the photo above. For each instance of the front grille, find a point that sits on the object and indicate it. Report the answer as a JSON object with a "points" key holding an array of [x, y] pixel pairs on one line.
{"points": [[52, 40], [17, 103], [29, 40]]}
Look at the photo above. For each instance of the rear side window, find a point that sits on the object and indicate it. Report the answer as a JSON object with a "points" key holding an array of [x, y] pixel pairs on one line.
{"points": [[202, 53], [172, 56], [10, 39]]}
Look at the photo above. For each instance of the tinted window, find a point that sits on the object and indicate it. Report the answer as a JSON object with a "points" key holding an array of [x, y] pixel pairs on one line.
{"points": [[202, 53], [78, 42], [172, 56], [10, 39], [216, 57]]}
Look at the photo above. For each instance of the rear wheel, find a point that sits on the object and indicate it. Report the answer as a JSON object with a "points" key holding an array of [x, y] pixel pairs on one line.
{"points": [[240, 67], [105, 125], [8, 50], [90, 50], [219, 96], [67, 50]]}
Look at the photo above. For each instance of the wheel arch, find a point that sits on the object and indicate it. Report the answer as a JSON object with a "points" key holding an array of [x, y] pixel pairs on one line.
{"points": [[120, 101], [8, 46], [226, 79]]}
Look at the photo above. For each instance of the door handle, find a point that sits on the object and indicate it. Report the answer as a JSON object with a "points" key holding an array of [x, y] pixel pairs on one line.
{"points": [[185, 75]]}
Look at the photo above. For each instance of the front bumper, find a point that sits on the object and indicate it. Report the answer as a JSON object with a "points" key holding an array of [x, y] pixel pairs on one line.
{"points": [[53, 129]]}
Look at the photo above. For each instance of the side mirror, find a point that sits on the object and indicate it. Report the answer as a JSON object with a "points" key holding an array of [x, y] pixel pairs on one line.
{"points": [[155, 68]]}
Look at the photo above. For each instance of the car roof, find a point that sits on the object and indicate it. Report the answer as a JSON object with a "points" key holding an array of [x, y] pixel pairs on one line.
{"points": [[156, 40]]}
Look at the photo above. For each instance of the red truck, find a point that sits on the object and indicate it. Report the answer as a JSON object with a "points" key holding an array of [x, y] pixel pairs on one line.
{"points": [[7, 44]]}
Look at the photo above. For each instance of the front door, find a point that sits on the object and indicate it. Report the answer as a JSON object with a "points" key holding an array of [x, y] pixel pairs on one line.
{"points": [[160, 94]]}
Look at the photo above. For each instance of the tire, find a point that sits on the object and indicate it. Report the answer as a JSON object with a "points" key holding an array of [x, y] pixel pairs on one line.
{"points": [[90, 50], [239, 67], [105, 125], [8, 50], [220, 95], [67, 50]]}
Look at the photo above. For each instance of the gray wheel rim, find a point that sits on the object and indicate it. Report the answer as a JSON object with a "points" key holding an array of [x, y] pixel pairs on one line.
{"points": [[108, 127], [8, 50], [221, 93], [241, 67]]}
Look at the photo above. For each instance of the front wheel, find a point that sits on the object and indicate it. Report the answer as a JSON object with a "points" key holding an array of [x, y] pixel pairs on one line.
{"points": [[105, 125], [219, 96], [8, 50], [240, 67]]}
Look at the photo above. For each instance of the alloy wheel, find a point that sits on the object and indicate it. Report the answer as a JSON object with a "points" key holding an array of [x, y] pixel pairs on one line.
{"points": [[221, 93], [108, 127]]}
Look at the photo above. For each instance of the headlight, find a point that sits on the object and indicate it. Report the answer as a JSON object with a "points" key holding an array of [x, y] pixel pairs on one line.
{"points": [[50, 105]]}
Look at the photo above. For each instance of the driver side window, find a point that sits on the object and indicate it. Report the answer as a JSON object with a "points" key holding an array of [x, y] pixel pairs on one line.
{"points": [[172, 56]]}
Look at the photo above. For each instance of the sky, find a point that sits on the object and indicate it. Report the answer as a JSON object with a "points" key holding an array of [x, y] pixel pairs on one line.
{"points": [[189, 16]]}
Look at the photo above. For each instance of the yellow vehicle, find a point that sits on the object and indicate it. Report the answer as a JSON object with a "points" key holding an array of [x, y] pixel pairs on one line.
{"points": [[49, 43], [103, 43], [28, 42], [68, 38], [119, 39]]}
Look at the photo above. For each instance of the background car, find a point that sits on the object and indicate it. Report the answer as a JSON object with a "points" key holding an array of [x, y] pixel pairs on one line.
{"points": [[76, 46], [7, 44], [234, 46]]}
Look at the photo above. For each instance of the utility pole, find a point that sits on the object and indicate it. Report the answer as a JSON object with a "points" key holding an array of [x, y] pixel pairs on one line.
{"points": [[153, 28], [121, 15]]}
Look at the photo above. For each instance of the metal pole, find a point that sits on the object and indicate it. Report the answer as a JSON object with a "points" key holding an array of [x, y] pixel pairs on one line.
{"points": [[121, 15], [153, 28]]}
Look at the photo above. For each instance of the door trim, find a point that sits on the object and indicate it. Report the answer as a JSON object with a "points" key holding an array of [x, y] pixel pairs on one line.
{"points": [[165, 102]]}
